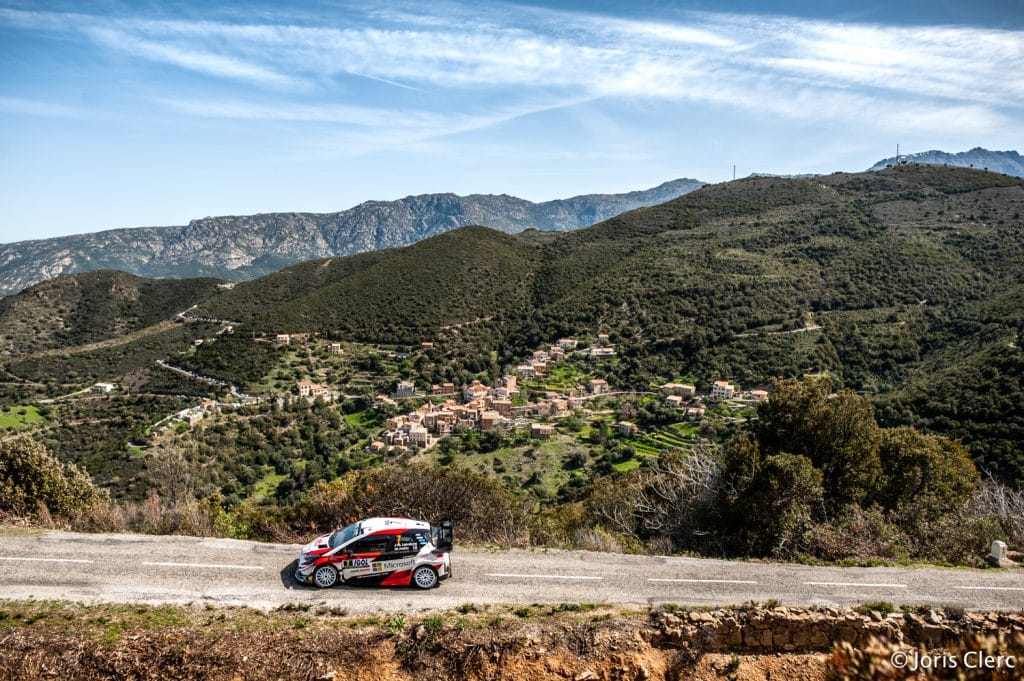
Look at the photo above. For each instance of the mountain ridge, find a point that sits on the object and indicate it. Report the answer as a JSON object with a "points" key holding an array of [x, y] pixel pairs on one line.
{"points": [[241, 247], [1007, 162], [743, 281]]}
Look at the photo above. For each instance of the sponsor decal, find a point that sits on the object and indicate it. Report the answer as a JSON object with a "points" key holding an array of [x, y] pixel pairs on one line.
{"points": [[357, 563], [399, 564]]}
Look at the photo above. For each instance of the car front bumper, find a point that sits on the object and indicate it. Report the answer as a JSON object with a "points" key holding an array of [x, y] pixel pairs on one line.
{"points": [[304, 575]]}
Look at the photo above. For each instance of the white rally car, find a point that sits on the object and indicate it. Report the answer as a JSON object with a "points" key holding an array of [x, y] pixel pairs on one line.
{"points": [[383, 551]]}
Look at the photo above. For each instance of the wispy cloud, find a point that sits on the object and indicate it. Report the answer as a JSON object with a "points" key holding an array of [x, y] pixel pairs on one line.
{"points": [[360, 130], [189, 58], [32, 107], [778, 66]]}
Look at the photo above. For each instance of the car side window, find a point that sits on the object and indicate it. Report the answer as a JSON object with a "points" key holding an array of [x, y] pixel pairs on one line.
{"points": [[411, 542], [371, 545]]}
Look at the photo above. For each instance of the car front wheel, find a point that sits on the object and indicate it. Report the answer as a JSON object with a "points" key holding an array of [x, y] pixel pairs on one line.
{"points": [[424, 577], [325, 576]]}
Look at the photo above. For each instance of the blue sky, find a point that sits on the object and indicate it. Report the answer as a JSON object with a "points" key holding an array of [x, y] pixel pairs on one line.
{"points": [[118, 114]]}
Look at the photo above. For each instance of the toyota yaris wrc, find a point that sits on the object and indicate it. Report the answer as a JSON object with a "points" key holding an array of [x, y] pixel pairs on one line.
{"points": [[384, 551]]}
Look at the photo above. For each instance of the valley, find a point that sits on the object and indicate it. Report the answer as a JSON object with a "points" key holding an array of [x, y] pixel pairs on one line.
{"points": [[550, 370]]}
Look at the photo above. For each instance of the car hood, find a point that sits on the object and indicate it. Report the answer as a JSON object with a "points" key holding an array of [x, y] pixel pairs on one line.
{"points": [[318, 544]]}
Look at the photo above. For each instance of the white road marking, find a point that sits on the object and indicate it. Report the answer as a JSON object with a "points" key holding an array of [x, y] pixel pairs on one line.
{"points": [[50, 560], [208, 565], [867, 584], [703, 581], [503, 574], [991, 588]]}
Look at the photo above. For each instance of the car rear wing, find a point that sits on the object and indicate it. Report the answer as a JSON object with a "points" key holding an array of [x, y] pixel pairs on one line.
{"points": [[445, 535]]}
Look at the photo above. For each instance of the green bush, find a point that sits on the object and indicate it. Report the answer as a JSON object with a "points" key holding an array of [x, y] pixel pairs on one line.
{"points": [[31, 478], [837, 433], [480, 507], [777, 506], [925, 476]]}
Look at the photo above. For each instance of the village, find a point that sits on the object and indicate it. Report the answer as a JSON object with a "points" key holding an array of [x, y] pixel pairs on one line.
{"points": [[520, 400], [530, 406]]}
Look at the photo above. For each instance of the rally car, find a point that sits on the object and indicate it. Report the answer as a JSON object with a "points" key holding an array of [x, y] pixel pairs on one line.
{"points": [[384, 551]]}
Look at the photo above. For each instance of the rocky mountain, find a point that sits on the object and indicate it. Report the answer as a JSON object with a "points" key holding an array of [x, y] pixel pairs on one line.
{"points": [[1006, 162], [244, 247]]}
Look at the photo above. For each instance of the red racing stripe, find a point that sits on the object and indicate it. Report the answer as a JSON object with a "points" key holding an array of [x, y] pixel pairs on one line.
{"points": [[399, 578]]}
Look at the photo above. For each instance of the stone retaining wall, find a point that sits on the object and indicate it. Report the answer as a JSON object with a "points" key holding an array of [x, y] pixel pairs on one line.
{"points": [[798, 629]]}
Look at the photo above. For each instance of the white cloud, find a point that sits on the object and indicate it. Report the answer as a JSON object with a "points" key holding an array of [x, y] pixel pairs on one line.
{"points": [[786, 67], [189, 58]]}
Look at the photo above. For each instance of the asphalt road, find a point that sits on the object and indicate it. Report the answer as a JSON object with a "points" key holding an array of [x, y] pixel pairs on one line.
{"points": [[151, 569]]}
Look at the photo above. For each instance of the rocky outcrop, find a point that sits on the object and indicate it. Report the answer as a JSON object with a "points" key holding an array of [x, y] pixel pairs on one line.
{"points": [[244, 247], [1006, 162]]}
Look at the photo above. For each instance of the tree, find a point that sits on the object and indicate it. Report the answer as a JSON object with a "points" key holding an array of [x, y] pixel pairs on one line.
{"points": [[673, 498], [172, 469], [924, 475], [837, 433], [778, 504]]}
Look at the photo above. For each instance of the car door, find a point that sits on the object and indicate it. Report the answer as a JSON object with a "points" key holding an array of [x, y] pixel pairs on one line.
{"points": [[364, 557]]}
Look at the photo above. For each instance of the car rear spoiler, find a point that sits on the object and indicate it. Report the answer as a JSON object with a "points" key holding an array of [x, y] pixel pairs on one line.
{"points": [[445, 535]]}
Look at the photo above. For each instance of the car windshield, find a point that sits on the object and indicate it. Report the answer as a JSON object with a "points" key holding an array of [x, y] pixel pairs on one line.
{"points": [[341, 536]]}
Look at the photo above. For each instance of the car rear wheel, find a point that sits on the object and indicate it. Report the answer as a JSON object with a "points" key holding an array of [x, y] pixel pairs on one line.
{"points": [[424, 577], [325, 576]]}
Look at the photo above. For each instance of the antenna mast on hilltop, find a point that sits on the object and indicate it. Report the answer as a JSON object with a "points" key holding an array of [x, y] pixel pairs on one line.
{"points": [[734, 171], [897, 153]]}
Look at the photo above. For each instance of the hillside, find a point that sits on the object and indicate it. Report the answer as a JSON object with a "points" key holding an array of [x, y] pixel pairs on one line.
{"points": [[87, 308], [1007, 162], [896, 282], [903, 284], [244, 247]]}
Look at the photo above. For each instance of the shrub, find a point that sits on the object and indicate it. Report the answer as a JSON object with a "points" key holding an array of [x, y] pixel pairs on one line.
{"points": [[673, 499], [884, 607], [925, 476], [995, 500], [481, 509], [31, 477], [558, 526], [776, 508], [955, 538], [857, 533]]}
